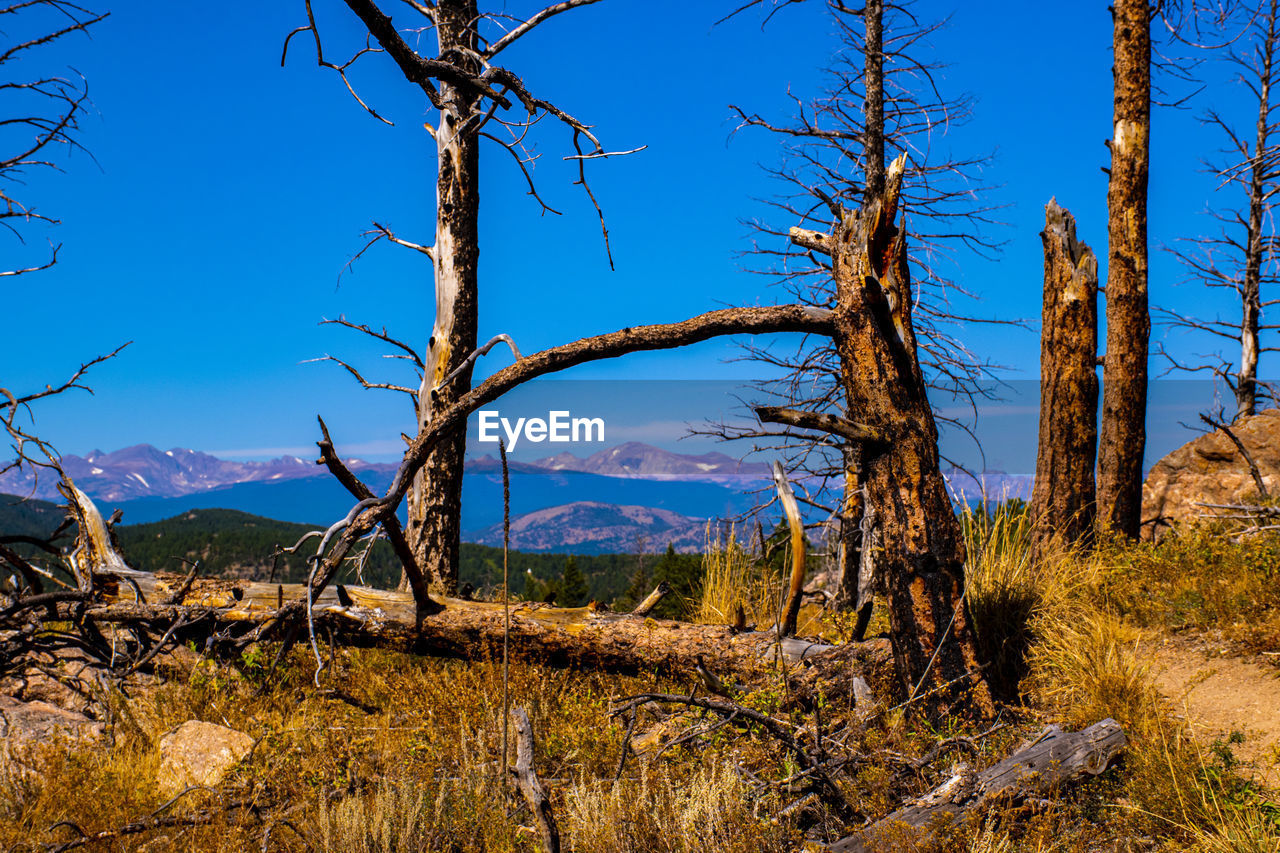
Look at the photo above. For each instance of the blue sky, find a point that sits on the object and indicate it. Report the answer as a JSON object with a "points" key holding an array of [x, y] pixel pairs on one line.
{"points": [[228, 193]]}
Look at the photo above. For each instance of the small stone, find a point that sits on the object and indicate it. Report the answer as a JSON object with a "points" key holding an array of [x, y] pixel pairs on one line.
{"points": [[198, 753]]}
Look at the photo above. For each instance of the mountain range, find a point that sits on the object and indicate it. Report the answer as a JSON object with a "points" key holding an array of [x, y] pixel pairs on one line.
{"points": [[601, 503]]}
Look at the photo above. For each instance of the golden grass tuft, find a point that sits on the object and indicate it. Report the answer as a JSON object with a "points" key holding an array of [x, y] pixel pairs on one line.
{"points": [[661, 812], [733, 578]]}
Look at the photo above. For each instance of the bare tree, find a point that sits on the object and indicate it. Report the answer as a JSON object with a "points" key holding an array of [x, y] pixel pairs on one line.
{"points": [[1241, 258], [475, 99], [881, 100], [871, 324]]}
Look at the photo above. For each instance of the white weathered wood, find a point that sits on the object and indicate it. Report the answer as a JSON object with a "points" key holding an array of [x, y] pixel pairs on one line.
{"points": [[1045, 763]]}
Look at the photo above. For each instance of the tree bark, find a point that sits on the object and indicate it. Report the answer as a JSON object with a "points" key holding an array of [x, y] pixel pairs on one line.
{"points": [[564, 636], [873, 71], [1124, 402], [435, 503], [1063, 498], [924, 554]]}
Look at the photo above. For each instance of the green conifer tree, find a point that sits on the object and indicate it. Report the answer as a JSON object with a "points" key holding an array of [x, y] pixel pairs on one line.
{"points": [[572, 590]]}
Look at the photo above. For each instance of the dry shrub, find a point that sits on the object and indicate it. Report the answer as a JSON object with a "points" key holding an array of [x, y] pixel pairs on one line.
{"points": [[1198, 578], [659, 812]]}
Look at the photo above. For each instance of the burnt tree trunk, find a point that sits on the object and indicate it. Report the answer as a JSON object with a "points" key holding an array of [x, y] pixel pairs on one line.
{"points": [[923, 551], [848, 548], [1259, 171], [1124, 399], [1062, 502], [849, 554], [435, 503], [873, 71]]}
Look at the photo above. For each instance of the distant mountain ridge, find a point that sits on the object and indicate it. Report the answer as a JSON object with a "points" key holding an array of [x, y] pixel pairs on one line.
{"points": [[144, 471], [636, 460], [592, 527], [600, 503]]}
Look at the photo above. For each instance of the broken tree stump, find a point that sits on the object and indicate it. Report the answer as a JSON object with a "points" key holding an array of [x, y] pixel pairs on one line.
{"points": [[1063, 499], [527, 781], [1053, 758]]}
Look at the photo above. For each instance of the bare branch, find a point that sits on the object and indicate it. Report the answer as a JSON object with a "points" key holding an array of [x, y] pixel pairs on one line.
{"points": [[524, 28]]}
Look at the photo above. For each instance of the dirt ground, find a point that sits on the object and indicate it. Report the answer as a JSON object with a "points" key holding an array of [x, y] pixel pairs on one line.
{"points": [[1220, 694]]}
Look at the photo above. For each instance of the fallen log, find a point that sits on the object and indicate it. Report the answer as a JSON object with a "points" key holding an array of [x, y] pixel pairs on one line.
{"points": [[582, 637], [176, 608], [1044, 764]]}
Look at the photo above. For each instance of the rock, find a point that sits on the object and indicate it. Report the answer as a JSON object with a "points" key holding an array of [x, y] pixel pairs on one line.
{"points": [[1210, 469], [198, 753], [24, 726]]}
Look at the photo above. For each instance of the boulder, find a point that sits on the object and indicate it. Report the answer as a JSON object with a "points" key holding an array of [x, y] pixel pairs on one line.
{"points": [[1210, 469], [198, 753], [26, 726]]}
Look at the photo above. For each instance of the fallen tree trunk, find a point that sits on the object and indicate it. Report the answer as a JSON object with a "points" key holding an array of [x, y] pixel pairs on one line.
{"points": [[569, 636], [1042, 765]]}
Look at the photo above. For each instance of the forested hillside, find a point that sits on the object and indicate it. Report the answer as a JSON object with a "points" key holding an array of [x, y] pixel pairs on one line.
{"points": [[230, 543]]}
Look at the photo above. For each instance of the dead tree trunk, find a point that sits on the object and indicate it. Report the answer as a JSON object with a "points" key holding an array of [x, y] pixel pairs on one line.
{"points": [[924, 554], [1124, 397], [1261, 172], [1062, 502], [435, 503]]}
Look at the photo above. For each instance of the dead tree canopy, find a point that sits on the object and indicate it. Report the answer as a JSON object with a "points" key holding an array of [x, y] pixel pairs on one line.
{"points": [[46, 109], [476, 101], [1062, 503], [1241, 257], [1124, 395]]}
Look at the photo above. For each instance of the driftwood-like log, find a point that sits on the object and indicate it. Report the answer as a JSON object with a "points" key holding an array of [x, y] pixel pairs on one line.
{"points": [[1047, 762], [564, 636], [527, 781]]}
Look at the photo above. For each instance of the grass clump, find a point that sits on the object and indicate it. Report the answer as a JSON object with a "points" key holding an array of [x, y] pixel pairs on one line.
{"points": [[733, 578]]}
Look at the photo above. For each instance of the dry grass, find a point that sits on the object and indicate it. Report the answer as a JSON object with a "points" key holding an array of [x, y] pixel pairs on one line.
{"points": [[406, 755], [733, 578], [1075, 622]]}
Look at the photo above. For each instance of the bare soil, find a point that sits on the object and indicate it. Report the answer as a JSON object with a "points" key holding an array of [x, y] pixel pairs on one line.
{"points": [[1219, 693]]}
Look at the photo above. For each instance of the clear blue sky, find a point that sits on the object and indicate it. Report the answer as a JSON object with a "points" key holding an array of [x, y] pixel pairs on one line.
{"points": [[228, 193]]}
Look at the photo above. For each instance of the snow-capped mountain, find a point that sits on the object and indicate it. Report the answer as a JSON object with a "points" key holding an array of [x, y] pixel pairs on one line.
{"points": [[636, 460], [145, 471]]}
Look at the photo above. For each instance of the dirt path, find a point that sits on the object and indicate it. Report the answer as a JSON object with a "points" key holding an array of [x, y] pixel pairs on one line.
{"points": [[1221, 694]]}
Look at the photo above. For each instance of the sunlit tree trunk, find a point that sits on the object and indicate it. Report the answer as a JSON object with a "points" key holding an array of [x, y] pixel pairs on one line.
{"points": [[1062, 501], [1124, 400], [435, 503], [923, 550]]}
